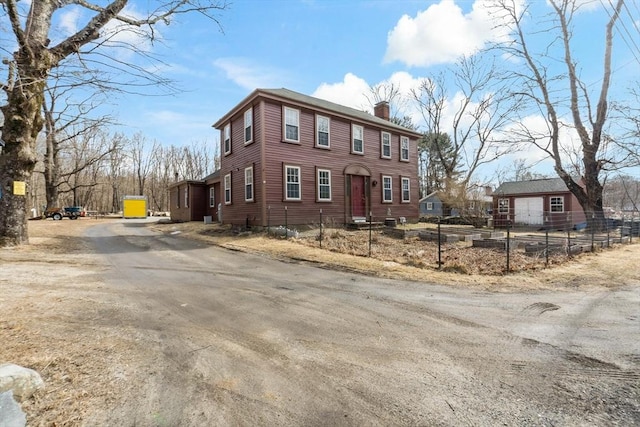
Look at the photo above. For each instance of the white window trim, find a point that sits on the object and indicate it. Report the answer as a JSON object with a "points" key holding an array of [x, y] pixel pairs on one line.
{"points": [[248, 184], [286, 183], [212, 197], [390, 188], [318, 117], [227, 189], [226, 136], [501, 207], [284, 124], [429, 206], [353, 138], [249, 114], [561, 204], [319, 199], [408, 181], [404, 140], [382, 145]]}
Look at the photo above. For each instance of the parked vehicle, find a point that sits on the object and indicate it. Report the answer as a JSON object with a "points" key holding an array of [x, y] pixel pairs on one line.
{"points": [[71, 212]]}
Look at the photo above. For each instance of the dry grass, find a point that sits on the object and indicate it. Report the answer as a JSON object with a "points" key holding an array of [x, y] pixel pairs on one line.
{"points": [[413, 259]]}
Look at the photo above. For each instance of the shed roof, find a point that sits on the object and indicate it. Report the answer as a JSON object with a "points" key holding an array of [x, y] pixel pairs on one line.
{"points": [[431, 196], [547, 185], [212, 177], [316, 104]]}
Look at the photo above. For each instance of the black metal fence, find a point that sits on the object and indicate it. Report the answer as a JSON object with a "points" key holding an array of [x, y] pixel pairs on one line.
{"points": [[438, 238]]}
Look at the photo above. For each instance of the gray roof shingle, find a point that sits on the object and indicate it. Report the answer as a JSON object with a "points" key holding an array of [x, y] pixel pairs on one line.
{"points": [[536, 186], [317, 104]]}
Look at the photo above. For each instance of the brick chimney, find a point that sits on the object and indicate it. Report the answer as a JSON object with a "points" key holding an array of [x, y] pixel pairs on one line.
{"points": [[381, 109]]}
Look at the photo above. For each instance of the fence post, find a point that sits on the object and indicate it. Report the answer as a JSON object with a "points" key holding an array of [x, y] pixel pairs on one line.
{"points": [[320, 228], [286, 226], [593, 231], [569, 242], [268, 219], [546, 247], [621, 229], [508, 246], [439, 247], [631, 229], [370, 222]]}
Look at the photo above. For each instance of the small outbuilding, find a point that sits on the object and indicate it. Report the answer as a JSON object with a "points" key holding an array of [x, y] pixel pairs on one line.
{"points": [[544, 203], [196, 200], [431, 205]]}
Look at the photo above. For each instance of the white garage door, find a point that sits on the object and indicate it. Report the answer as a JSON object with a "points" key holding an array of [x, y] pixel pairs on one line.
{"points": [[529, 210]]}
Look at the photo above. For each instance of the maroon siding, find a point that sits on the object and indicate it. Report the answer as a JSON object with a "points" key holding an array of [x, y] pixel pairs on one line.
{"points": [[195, 208], [242, 156], [268, 154], [572, 214], [213, 210]]}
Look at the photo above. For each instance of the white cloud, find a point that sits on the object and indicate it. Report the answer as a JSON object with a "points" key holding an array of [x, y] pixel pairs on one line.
{"points": [[197, 126], [538, 127], [249, 75], [442, 33], [128, 39], [351, 92], [355, 92], [68, 23]]}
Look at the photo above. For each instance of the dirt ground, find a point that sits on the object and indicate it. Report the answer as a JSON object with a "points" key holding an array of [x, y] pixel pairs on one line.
{"points": [[43, 282], [413, 259]]}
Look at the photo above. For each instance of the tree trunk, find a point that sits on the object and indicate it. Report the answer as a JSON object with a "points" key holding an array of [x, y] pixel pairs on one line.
{"points": [[51, 164], [22, 123]]}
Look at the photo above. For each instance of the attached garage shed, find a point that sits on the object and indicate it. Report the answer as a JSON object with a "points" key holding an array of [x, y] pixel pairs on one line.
{"points": [[541, 203]]}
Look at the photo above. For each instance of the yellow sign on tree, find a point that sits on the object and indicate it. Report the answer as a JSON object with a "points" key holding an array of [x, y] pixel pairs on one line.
{"points": [[19, 188]]}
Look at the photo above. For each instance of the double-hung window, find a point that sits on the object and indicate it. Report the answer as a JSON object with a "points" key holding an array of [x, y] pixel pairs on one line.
{"points": [[406, 190], [291, 124], [292, 189], [322, 131], [248, 126], [557, 204], [385, 145], [324, 185], [404, 148], [212, 197], [503, 206], [227, 138], [227, 189], [387, 189], [357, 139], [248, 184]]}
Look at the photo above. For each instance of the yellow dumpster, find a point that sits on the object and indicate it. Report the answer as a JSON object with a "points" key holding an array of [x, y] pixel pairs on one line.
{"points": [[134, 207]]}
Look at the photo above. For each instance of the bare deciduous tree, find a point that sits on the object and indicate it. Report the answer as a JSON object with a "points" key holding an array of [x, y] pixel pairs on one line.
{"points": [[473, 115], [31, 65], [587, 112], [66, 120]]}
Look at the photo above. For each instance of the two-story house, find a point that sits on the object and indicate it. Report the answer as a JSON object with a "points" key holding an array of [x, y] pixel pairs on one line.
{"points": [[286, 156]]}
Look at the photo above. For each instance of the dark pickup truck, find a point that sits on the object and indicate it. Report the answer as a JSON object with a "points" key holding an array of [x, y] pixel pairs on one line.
{"points": [[71, 212]]}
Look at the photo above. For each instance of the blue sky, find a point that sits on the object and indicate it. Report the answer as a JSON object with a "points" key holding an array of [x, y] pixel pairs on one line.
{"points": [[333, 49]]}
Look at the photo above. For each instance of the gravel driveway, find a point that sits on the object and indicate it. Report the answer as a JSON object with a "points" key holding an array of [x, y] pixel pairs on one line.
{"points": [[167, 331]]}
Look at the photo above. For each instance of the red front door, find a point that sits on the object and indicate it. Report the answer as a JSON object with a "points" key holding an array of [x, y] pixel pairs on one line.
{"points": [[358, 197]]}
